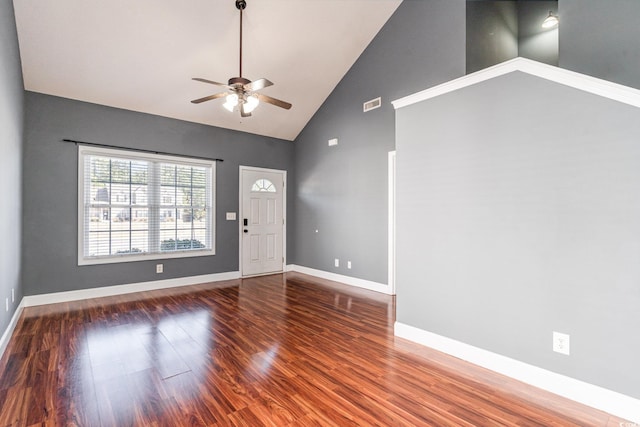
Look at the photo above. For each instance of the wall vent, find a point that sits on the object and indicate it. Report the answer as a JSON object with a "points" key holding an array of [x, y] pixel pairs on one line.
{"points": [[372, 105]]}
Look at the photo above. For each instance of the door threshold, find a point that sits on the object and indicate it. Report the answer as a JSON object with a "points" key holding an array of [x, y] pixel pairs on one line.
{"points": [[271, 273]]}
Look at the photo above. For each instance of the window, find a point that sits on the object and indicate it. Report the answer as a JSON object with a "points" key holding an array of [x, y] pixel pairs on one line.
{"points": [[135, 206], [263, 185]]}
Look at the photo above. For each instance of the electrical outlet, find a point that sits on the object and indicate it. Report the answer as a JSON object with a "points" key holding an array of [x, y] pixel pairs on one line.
{"points": [[13, 295], [561, 343], [337, 262], [333, 142], [7, 304], [159, 268], [349, 265]]}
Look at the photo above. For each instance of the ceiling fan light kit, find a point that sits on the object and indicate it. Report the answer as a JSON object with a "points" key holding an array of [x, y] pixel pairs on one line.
{"points": [[232, 101], [242, 91]]}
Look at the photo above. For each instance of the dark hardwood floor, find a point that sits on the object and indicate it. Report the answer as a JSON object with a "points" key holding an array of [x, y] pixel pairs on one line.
{"points": [[276, 350]]}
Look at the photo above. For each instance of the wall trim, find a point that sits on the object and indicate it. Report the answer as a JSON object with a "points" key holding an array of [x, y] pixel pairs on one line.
{"points": [[391, 226], [106, 291], [6, 336], [604, 88], [591, 395], [347, 280]]}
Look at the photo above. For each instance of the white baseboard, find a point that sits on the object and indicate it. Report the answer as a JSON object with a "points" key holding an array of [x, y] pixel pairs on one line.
{"points": [[6, 336], [591, 395], [105, 291], [347, 280]]}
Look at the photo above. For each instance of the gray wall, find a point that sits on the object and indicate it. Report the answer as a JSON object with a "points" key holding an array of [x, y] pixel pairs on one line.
{"points": [[535, 42], [492, 33], [50, 188], [600, 38], [504, 29], [11, 140], [529, 222], [342, 190]]}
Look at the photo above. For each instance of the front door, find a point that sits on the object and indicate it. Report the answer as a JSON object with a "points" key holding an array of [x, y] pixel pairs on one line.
{"points": [[261, 220]]}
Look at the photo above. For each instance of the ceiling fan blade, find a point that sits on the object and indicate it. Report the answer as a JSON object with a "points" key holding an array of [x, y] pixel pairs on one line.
{"points": [[242, 112], [273, 101], [210, 97], [210, 82], [257, 85]]}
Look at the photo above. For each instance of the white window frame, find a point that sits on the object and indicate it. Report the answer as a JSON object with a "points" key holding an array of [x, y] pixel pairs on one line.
{"points": [[83, 222]]}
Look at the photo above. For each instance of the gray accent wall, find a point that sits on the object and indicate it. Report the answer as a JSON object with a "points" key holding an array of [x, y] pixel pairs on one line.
{"points": [[522, 221], [492, 33], [535, 42], [51, 186], [600, 38], [341, 191], [499, 30], [11, 141]]}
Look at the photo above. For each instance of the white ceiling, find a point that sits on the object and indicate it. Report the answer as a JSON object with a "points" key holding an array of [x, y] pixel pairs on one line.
{"points": [[141, 55]]}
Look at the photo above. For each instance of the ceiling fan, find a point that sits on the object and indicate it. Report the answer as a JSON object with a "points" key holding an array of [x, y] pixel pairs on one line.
{"points": [[242, 91]]}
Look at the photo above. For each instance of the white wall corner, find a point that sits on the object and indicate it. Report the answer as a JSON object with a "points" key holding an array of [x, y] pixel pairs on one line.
{"points": [[347, 280], [591, 395]]}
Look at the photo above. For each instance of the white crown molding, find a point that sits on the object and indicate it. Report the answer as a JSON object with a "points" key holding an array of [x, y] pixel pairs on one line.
{"points": [[588, 394], [347, 280], [604, 88], [106, 291]]}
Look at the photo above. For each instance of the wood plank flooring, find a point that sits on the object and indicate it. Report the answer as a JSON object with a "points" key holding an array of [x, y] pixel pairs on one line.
{"points": [[281, 350]]}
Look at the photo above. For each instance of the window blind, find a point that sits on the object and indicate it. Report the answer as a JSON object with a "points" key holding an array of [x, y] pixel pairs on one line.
{"points": [[143, 206]]}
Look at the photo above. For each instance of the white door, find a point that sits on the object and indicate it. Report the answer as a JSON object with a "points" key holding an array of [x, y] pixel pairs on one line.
{"points": [[262, 220]]}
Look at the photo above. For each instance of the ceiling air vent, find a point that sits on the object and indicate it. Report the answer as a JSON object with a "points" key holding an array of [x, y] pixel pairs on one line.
{"points": [[371, 105]]}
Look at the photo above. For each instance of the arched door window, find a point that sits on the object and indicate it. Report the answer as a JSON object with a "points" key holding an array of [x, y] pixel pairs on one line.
{"points": [[263, 186]]}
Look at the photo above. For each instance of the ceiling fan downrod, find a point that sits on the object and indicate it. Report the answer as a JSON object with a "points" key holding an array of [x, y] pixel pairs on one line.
{"points": [[241, 5], [240, 81]]}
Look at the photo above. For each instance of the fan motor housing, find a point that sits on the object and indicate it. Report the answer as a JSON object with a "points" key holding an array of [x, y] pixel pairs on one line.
{"points": [[241, 4], [238, 81]]}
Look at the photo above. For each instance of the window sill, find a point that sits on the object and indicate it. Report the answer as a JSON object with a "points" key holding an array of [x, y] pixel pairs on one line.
{"points": [[146, 257]]}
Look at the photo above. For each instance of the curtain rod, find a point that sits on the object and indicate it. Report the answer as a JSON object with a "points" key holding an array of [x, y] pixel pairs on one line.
{"points": [[141, 150]]}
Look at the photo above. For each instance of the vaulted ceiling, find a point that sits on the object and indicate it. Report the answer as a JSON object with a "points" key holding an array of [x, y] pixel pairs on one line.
{"points": [[141, 55]]}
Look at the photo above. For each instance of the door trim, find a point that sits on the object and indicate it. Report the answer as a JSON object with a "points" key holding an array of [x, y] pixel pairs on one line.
{"points": [[283, 173], [392, 222]]}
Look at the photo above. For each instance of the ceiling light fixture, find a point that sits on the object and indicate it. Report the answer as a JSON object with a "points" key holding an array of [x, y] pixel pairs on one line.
{"points": [[241, 91], [550, 21], [250, 103], [232, 101]]}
